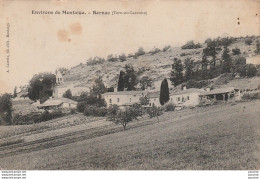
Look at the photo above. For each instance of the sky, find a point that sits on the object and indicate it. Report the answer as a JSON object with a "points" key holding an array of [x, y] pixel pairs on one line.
{"points": [[42, 43]]}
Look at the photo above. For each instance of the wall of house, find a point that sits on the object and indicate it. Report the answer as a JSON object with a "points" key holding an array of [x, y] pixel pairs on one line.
{"points": [[121, 99], [189, 99], [154, 102], [68, 105]]}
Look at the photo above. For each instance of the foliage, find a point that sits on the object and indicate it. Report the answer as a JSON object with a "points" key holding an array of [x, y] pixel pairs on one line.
{"points": [[169, 107], [197, 84], [139, 52], [136, 110], [98, 88], [121, 83], [166, 48], [227, 63], [154, 51], [236, 51], [251, 70], [164, 92], [176, 73], [191, 45], [189, 65], [154, 112], [144, 100], [145, 82], [112, 58], [95, 61], [122, 57], [112, 111], [81, 106], [130, 77], [15, 92], [257, 47], [67, 94], [111, 89], [248, 41], [250, 96], [41, 85], [6, 108]]}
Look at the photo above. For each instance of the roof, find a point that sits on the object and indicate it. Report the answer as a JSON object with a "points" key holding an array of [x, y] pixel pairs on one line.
{"points": [[126, 93], [155, 94], [190, 90], [219, 91], [56, 102]]}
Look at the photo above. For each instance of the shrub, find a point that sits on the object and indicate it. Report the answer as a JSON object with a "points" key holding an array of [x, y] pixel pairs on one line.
{"points": [[73, 111], [154, 51], [251, 70], [95, 61], [251, 96], [101, 111], [112, 58], [236, 51], [166, 48], [67, 94], [95, 111], [89, 110], [81, 106], [112, 110], [248, 41], [122, 57], [139, 52], [169, 107], [191, 45]]}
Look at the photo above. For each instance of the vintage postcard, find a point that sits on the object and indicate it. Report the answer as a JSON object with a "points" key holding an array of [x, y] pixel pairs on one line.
{"points": [[129, 85]]}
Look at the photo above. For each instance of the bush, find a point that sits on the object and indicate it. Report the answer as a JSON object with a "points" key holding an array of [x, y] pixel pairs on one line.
{"points": [[191, 45], [236, 51], [166, 48], [81, 106], [251, 70], [251, 96], [169, 107], [73, 111], [95, 111], [67, 94], [122, 57], [101, 111], [89, 110], [248, 41], [154, 51], [139, 52], [95, 61]]}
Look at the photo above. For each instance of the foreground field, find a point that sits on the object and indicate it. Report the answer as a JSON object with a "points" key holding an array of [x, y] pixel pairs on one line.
{"points": [[215, 137]]}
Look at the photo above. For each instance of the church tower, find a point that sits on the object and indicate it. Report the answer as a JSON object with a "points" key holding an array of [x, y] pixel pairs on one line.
{"points": [[59, 78]]}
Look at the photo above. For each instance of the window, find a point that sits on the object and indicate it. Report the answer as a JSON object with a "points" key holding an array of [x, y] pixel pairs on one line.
{"points": [[110, 100], [117, 99], [179, 98], [130, 99], [150, 104], [188, 98], [182, 99]]}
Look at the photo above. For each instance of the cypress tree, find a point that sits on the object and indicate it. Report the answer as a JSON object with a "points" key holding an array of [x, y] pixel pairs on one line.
{"points": [[164, 93], [121, 83]]}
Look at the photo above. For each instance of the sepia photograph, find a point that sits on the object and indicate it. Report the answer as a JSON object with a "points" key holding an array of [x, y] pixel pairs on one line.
{"points": [[129, 85]]}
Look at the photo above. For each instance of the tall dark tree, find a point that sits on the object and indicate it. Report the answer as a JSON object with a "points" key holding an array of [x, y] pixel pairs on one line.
{"points": [[67, 94], [5, 109], [189, 65], [15, 92], [164, 92], [41, 85], [121, 83], [130, 78], [176, 73], [98, 88], [227, 63]]}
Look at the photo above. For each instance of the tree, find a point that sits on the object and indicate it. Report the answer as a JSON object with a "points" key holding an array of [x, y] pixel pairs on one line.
{"points": [[227, 63], [154, 112], [67, 94], [112, 58], [257, 47], [164, 92], [144, 100], [6, 108], [41, 85], [122, 57], [212, 49], [98, 88], [136, 110], [15, 92], [130, 78], [118, 116], [251, 70], [236, 51], [145, 82], [248, 41], [176, 73], [121, 83], [204, 65], [189, 65]]}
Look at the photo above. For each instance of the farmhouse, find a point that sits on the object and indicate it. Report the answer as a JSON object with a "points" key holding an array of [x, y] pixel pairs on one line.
{"points": [[154, 99], [186, 97], [123, 98], [57, 103], [224, 94]]}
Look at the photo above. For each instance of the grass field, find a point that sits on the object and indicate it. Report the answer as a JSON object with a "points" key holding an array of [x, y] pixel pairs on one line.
{"points": [[220, 137]]}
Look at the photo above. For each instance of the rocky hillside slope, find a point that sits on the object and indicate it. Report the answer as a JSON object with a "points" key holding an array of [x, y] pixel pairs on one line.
{"points": [[156, 66]]}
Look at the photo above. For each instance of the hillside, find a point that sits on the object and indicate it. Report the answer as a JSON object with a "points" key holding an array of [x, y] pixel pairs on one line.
{"points": [[156, 66]]}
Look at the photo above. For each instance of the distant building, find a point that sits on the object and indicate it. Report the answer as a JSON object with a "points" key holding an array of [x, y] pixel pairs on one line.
{"points": [[57, 103], [123, 98], [222, 94], [61, 87]]}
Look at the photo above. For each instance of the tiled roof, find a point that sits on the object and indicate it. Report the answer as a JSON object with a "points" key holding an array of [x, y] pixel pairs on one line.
{"points": [[190, 90], [126, 93], [219, 91]]}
